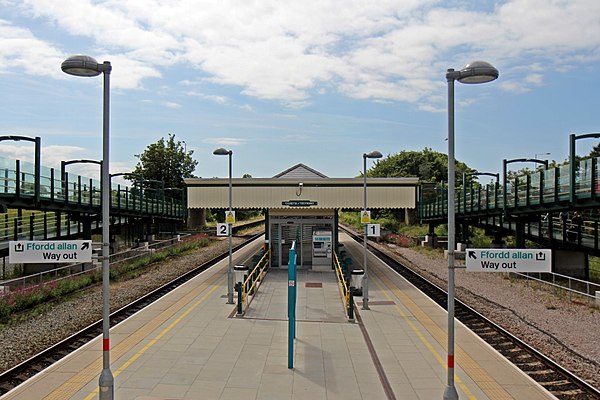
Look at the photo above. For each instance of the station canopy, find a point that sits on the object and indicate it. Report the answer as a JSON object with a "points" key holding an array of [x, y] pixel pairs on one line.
{"points": [[301, 187]]}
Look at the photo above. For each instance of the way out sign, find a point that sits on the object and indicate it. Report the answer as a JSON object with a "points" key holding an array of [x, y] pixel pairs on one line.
{"points": [[50, 251], [508, 260]]}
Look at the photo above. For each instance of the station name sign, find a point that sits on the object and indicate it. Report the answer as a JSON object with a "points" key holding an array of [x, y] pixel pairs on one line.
{"points": [[299, 203], [508, 260], [50, 251]]}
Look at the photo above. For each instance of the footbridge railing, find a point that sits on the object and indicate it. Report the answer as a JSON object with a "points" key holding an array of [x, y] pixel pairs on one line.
{"points": [[74, 193], [544, 190]]}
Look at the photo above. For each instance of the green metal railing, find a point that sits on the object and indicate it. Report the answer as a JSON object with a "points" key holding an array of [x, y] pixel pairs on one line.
{"points": [[17, 183], [543, 189]]}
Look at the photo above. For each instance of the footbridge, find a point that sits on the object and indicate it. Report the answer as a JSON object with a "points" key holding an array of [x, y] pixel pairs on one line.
{"points": [[38, 202], [526, 206]]}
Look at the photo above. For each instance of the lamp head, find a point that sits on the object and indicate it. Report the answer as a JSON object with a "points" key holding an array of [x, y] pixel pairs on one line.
{"points": [[222, 152], [373, 154], [82, 65], [477, 72]]}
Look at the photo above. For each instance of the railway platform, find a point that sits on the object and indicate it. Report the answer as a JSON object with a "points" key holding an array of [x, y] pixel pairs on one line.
{"points": [[190, 345]]}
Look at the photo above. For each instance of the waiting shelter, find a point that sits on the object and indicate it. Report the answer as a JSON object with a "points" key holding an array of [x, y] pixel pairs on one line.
{"points": [[300, 204]]}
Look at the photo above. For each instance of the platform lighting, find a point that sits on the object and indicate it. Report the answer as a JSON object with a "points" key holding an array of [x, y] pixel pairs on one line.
{"points": [[373, 154], [475, 72], [81, 65], [223, 152]]}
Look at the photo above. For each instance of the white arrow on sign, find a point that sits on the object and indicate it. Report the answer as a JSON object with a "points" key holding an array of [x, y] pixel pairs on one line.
{"points": [[508, 260]]}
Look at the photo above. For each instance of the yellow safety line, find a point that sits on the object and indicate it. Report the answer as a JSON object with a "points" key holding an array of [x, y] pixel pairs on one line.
{"points": [[78, 381], [480, 377]]}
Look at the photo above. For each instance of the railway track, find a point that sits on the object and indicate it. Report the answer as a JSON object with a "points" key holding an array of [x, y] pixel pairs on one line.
{"points": [[27, 369], [553, 377]]}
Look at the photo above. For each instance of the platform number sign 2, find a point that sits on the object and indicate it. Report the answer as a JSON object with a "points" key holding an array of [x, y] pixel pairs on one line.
{"points": [[373, 230], [222, 229]]}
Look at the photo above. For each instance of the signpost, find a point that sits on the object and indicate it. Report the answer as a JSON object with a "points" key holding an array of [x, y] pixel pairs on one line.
{"points": [[508, 260], [50, 251]]}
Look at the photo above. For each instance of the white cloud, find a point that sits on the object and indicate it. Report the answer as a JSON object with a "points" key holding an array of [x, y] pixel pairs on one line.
{"points": [[210, 97], [225, 141], [389, 50]]}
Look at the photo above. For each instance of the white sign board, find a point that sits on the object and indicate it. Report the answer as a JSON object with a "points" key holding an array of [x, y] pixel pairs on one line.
{"points": [[373, 230], [49, 251], [222, 229], [508, 260]]}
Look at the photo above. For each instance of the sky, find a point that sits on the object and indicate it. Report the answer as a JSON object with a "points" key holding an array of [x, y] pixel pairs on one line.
{"points": [[318, 82]]}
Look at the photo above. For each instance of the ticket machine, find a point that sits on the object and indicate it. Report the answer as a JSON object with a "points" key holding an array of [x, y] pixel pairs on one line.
{"points": [[322, 247]]}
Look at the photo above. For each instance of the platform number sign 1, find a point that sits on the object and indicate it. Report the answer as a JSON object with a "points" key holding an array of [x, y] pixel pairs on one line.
{"points": [[222, 229], [373, 230]]}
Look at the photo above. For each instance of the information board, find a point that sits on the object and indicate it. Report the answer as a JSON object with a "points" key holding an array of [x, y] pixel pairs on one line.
{"points": [[49, 251], [508, 260]]}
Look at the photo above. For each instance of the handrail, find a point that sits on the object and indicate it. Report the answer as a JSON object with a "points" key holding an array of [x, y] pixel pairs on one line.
{"points": [[346, 293], [252, 282]]}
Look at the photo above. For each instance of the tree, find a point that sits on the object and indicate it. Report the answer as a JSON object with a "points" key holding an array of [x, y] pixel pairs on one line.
{"points": [[595, 151], [166, 161], [427, 165]]}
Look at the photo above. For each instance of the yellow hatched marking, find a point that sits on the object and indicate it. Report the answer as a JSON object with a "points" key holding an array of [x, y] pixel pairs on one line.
{"points": [[481, 378], [77, 382]]}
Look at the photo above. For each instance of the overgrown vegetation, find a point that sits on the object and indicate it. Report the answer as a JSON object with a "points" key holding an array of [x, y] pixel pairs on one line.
{"points": [[27, 298]]}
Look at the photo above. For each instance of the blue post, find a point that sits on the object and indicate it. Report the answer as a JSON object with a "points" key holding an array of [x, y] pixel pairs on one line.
{"points": [[291, 304]]}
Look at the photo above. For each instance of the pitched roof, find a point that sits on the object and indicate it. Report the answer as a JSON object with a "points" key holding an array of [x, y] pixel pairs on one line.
{"points": [[300, 171]]}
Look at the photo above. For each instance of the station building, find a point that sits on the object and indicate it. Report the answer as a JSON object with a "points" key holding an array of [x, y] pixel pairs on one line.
{"points": [[300, 204]]}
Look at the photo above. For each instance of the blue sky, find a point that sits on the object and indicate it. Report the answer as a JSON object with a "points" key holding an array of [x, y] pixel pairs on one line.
{"points": [[312, 81]]}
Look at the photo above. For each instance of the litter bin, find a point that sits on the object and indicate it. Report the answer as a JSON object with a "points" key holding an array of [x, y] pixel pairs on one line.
{"points": [[356, 281], [239, 272]]}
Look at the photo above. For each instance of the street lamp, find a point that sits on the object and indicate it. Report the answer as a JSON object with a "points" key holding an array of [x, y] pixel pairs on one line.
{"points": [[373, 154], [475, 72], [222, 152], [80, 65]]}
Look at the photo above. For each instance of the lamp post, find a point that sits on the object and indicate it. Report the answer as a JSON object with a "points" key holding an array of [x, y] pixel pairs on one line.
{"points": [[373, 154], [222, 152], [475, 72], [80, 65]]}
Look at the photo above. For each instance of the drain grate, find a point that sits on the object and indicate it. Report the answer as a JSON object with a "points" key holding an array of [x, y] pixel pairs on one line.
{"points": [[313, 285]]}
